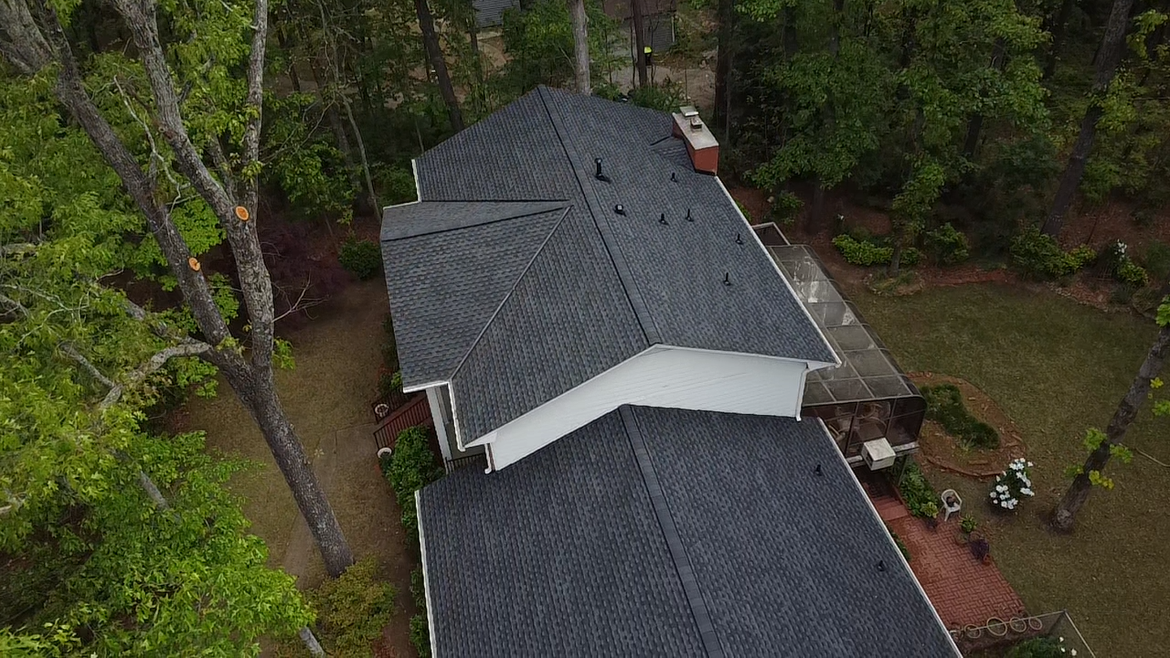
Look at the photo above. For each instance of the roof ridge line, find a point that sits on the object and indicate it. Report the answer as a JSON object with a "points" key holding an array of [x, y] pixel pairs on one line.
{"points": [[515, 284], [633, 293], [549, 205], [674, 546]]}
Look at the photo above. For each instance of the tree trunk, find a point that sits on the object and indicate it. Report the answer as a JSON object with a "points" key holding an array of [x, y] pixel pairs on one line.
{"points": [[1109, 55], [310, 641], [257, 391], [435, 56], [252, 379], [895, 267], [812, 221], [790, 44], [580, 46], [1078, 491], [639, 41], [357, 134], [1059, 30], [722, 118], [975, 124]]}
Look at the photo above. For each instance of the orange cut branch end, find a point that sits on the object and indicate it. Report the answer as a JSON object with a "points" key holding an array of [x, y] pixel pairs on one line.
{"points": [[193, 263], [242, 213]]}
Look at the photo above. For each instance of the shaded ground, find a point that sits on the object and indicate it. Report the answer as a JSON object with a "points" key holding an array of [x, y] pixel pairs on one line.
{"points": [[1056, 367], [327, 397]]}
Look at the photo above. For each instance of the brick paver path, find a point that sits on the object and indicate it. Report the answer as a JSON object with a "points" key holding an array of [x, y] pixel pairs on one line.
{"points": [[963, 590]]}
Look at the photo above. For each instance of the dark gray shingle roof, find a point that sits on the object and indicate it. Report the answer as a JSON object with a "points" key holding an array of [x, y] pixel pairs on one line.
{"points": [[628, 535], [612, 284], [448, 265]]}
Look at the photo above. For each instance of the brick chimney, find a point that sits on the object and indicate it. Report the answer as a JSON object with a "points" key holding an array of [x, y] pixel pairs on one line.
{"points": [[701, 144]]}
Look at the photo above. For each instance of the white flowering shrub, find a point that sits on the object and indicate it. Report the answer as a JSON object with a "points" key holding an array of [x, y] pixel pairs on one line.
{"points": [[1013, 485]]}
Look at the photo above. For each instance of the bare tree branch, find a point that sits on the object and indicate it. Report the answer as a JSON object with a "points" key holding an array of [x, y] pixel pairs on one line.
{"points": [[253, 275], [12, 303], [18, 248], [89, 367]]}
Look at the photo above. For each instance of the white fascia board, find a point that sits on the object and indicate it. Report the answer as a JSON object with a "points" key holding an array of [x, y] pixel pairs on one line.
{"points": [[422, 549], [783, 278], [812, 364], [897, 551], [423, 387]]}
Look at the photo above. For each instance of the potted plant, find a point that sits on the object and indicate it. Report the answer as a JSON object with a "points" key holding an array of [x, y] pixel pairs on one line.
{"points": [[980, 549], [967, 525], [930, 514]]}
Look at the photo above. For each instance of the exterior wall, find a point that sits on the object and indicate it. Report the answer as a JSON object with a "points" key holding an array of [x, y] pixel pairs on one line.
{"points": [[662, 376], [443, 428]]}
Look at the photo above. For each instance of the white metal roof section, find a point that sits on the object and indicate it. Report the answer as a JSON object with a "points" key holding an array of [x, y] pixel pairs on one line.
{"points": [[868, 371]]}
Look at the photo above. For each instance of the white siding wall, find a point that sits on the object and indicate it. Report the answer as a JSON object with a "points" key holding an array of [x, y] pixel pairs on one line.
{"points": [[661, 376]]}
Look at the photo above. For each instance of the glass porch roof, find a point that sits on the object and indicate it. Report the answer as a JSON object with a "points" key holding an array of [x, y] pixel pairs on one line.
{"points": [[868, 371]]}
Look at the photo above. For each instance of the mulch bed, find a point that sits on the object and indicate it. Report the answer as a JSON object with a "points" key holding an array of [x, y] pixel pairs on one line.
{"points": [[945, 452]]}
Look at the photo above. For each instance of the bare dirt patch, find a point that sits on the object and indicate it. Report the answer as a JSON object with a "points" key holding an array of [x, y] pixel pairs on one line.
{"points": [[945, 452]]}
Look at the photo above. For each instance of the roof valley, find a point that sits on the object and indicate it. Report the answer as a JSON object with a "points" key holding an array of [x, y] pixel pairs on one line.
{"points": [[637, 303], [674, 545]]}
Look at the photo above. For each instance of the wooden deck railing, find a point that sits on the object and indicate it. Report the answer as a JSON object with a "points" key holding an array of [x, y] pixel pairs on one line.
{"points": [[390, 402], [470, 461], [416, 411]]}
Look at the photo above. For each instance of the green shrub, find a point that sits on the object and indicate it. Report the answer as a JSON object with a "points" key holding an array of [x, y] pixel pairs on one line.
{"points": [[944, 405], [1081, 257], [916, 491], [420, 635], [899, 543], [1157, 261], [362, 258], [744, 211], [947, 245], [665, 96], [785, 207], [1132, 274], [1037, 647], [411, 467], [862, 253], [1039, 256], [867, 253], [910, 257], [352, 610]]}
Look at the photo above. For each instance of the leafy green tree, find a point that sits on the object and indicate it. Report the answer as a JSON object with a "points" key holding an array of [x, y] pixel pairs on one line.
{"points": [[1103, 446], [178, 126]]}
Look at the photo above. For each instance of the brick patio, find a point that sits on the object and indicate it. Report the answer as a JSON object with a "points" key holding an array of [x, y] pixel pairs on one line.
{"points": [[963, 590]]}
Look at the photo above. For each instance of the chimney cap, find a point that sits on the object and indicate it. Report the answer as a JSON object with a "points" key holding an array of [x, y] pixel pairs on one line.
{"points": [[688, 111]]}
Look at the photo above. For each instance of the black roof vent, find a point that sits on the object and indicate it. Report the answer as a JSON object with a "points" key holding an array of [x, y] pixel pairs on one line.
{"points": [[881, 565], [818, 470], [662, 219], [673, 177], [619, 209], [727, 278], [738, 238], [598, 175], [689, 218]]}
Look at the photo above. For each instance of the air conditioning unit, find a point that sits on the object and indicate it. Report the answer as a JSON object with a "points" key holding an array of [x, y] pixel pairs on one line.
{"points": [[878, 454]]}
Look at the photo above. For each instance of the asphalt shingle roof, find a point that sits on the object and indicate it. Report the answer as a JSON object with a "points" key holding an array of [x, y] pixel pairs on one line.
{"points": [[468, 256], [611, 285], [654, 532]]}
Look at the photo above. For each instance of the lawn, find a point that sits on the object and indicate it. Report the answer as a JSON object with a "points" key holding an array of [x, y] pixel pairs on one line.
{"points": [[327, 396], [1056, 368]]}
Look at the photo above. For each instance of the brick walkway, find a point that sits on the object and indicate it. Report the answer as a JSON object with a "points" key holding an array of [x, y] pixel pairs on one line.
{"points": [[963, 590]]}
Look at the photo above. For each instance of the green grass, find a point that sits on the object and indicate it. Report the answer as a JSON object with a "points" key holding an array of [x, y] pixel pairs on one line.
{"points": [[1056, 368]]}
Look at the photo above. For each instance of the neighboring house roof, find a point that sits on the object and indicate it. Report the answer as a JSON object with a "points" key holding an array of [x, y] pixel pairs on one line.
{"points": [[670, 532], [597, 287], [491, 12]]}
